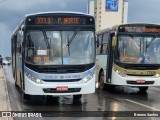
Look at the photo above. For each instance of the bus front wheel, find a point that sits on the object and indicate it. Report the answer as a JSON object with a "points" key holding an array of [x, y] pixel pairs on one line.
{"points": [[143, 89]]}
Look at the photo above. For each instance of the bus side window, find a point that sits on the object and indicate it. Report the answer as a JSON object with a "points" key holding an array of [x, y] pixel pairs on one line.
{"points": [[105, 43], [29, 48]]}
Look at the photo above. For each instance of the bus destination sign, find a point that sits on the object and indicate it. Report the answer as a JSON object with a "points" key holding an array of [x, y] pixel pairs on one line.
{"points": [[68, 20], [43, 20], [140, 29], [59, 20]]}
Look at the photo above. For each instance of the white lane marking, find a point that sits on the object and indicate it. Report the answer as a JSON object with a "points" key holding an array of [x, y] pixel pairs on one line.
{"points": [[142, 105]]}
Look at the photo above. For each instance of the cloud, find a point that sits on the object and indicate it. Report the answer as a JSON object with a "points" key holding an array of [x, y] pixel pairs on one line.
{"points": [[12, 12], [22, 5], [5, 43], [143, 11]]}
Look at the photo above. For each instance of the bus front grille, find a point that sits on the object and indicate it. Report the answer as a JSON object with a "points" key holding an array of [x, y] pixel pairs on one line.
{"points": [[57, 69], [62, 80], [60, 70]]}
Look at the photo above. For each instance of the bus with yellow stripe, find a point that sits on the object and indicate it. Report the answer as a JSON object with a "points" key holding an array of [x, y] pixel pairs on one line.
{"points": [[128, 55]]}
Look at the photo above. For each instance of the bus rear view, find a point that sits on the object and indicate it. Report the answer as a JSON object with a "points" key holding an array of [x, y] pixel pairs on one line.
{"points": [[56, 54]]}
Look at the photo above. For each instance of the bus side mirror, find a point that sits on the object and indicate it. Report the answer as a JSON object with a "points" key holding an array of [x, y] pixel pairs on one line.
{"points": [[114, 41]]}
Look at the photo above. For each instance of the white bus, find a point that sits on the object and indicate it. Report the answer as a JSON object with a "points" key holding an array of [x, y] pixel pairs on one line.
{"points": [[53, 53], [128, 55]]}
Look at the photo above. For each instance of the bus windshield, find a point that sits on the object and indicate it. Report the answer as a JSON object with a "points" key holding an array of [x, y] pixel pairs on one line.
{"points": [[59, 47], [138, 49]]}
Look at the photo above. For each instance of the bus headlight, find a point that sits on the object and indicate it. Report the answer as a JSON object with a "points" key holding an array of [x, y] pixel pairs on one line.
{"points": [[120, 73], [36, 80], [88, 77], [156, 75]]}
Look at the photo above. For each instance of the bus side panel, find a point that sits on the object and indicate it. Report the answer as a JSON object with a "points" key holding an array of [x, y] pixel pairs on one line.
{"points": [[18, 60], [14, 56], [18, 68], [101, 64]]}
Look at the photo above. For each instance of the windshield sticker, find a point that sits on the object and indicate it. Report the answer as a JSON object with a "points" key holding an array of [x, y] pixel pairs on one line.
{"points": [[37, 59], [41, 52], [46, 59], [147, 60], [66, 61], [128, 59], [53, 52], [156, 50]]}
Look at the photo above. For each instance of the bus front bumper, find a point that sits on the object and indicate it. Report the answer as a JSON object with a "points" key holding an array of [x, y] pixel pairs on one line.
{"points": [[136, 81], [59, 88]]}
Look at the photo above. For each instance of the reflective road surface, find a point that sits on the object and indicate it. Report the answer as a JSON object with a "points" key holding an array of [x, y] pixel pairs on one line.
{"points": [[102, 105]]}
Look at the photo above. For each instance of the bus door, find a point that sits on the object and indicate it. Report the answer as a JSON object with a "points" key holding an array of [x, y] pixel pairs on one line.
{"points": [[14, 40], [98, 55], [109, 59], [19, 61]]}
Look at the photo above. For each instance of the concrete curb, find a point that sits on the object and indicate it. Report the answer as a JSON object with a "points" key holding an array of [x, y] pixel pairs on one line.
{"points": [[4, 96]]}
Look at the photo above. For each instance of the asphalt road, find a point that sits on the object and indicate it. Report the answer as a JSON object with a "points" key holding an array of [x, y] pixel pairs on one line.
{"points": [[124, 101]]}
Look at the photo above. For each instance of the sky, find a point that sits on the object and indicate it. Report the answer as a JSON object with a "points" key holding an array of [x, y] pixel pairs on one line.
{"points": [[12, 11]]}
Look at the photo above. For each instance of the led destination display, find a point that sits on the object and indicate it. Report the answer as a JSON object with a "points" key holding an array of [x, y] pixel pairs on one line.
{"points": [[59, 20], [140, 29]]}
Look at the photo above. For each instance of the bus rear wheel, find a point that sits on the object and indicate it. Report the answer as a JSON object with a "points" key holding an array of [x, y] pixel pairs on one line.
{"points": [[143, 89]]}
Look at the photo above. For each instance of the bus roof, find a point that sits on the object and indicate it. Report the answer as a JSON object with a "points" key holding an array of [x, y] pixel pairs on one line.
{"points": [[57, 12]]}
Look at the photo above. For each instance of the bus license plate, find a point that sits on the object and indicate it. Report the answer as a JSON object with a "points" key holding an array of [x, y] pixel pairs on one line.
{"points": [[62, 88], [140, 81]]}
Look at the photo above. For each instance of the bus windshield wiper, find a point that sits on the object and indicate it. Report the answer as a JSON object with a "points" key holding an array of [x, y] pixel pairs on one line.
{"points": [[131, 36], [154, 37], [72, 38], [46, 38]]}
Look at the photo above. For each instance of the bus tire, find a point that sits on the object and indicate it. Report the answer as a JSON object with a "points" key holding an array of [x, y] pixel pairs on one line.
{"points": [[77, 97], [25, 96], [102, 85], [143, 89]]}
